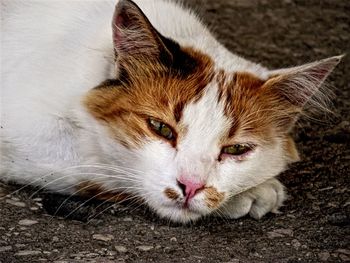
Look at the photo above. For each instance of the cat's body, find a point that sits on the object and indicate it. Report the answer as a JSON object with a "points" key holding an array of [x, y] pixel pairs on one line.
{"points": [[58, 134]]}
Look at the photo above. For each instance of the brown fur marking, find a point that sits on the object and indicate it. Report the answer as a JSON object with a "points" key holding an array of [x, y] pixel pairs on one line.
{"points": [[91, 189], [171, 193], [212, 197]]}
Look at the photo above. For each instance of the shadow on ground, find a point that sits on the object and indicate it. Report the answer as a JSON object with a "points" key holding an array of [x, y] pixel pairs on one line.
{"points": [[314, 223]]}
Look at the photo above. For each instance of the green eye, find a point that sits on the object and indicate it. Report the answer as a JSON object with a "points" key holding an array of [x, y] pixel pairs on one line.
{"points": [[161, 129], [237, 149]]}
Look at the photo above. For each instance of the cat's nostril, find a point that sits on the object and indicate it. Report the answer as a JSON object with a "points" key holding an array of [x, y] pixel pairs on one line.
{"points": [[182, 187], [189, 188]]}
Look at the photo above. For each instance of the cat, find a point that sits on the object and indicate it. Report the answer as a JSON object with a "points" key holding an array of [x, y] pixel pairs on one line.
{"points": [[138, 100]]}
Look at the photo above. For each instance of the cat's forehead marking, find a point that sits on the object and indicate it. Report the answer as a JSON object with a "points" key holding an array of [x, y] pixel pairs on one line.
{"points": [[244, 100], [235, 87]]}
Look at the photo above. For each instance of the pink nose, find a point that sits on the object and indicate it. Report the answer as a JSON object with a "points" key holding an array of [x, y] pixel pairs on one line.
{"points": [[189, 187]]}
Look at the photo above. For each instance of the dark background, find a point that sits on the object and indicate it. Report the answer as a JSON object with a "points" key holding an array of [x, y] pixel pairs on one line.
{"points": [[314, 223]]}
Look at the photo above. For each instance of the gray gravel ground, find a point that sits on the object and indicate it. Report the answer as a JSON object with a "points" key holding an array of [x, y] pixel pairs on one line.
{"points": [[314, 223]]}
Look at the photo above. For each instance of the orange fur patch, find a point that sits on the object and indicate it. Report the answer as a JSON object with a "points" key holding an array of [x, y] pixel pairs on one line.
{"points": [[91, 189], [291, 150], [171, 193], [158, 93], [213, 198]]}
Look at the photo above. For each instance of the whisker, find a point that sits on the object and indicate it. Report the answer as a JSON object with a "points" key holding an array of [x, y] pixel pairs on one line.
{"points": [[74, 174], [40, 178], [101, 212], [98, 194], [73, 194], [98, 165]]}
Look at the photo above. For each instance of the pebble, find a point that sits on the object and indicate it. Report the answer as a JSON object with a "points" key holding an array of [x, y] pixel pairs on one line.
{"points": [[27, 222], [5, 248], [15, 203], [310, 196], [295, 243], [55, 239], [324, 256], [173, 239], [111, 254], [92, 255], [28, 253], [20, 245], [338, 219], [343, 251], [101, 237], [145, 248], [120, 249], [281, 232], [127, 219], [325, 189], [344, 257], [168, 250], [255, 254], [273, 234]]}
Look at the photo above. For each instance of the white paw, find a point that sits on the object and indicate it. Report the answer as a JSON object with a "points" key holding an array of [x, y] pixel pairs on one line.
{"points": [[257, 201]]}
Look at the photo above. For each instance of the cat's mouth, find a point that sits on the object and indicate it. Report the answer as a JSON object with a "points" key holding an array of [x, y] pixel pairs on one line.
{"points": [[210, 198]]}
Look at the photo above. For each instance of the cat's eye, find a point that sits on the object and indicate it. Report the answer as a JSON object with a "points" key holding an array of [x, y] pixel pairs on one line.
{"points": [[162, 129], [237, 149]]}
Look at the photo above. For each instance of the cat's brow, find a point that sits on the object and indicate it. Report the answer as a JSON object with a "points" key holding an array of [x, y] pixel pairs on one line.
{"points": [[240, 93]]}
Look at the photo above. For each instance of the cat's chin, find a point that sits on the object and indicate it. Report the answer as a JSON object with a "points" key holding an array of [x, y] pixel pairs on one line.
{"points": [[179, 214]]}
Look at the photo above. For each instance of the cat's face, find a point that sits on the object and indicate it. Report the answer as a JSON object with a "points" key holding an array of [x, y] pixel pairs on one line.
{"points": [[194, 134]]}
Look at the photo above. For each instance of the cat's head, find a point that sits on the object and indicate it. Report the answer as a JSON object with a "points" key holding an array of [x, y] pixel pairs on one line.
{"points": [[189, 134]]}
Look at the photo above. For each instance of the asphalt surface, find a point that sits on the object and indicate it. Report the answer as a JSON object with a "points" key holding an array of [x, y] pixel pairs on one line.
{"points": [[314, 225]]}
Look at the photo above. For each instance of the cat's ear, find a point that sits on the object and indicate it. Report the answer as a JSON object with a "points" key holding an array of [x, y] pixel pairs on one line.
{"points": [[292, 89], [301, 85], [135, 40]]}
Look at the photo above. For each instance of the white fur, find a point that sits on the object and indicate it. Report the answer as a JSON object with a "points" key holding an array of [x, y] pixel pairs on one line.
{"points": [[53, 52]]}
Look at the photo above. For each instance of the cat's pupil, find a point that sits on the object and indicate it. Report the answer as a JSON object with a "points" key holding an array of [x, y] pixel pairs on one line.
{"points": [[166, 132]]}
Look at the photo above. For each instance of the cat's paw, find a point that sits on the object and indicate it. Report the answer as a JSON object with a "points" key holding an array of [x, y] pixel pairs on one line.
{"points": [[257, 201]]}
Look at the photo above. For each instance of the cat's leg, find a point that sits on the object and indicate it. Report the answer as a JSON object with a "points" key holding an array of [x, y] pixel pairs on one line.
{"points": [[257, 201]]}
